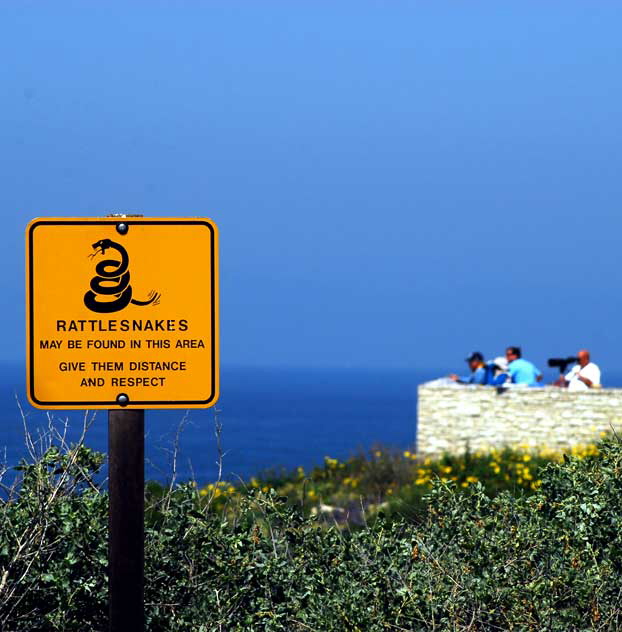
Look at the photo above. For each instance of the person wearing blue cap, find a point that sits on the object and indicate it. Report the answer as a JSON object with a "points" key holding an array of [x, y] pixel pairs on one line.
{"points": [[479, 373]]}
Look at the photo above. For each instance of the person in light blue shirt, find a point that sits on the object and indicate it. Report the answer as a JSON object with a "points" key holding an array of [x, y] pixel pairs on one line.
{"points": [[521, 371]]}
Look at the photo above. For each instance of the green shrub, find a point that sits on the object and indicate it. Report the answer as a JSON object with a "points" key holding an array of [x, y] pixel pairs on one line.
{"points": [[53, 545], [396, 483], [551, 560]]}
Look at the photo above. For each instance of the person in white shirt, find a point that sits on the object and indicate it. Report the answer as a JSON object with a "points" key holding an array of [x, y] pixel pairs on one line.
{"points": [[584, 374]]}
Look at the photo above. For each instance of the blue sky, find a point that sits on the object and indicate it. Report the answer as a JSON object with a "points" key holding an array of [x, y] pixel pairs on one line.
{"points": [[395, 183]]}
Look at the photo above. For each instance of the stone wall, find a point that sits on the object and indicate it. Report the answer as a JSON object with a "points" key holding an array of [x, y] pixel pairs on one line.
{"points": [[451, 417]]}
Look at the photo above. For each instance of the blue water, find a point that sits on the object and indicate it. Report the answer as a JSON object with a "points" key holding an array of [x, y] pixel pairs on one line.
{"points": [[270, 418]]}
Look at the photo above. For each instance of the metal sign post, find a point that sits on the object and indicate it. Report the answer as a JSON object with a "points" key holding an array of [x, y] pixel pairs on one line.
{"points": [[126, 516]]}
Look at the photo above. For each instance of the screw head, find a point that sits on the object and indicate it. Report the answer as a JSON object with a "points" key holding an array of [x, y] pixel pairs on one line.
{"points": [[123, 399], [122, 228]]}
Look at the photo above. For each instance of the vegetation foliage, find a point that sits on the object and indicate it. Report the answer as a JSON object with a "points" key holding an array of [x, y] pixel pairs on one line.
{"points": [[544, 556], [396, 483]]}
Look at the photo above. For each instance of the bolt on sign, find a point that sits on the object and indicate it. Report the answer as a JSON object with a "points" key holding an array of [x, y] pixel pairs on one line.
{"points": [[122, 312]]}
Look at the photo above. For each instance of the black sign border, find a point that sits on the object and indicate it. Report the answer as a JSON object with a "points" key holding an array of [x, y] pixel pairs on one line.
{"points": [[210, 401]]}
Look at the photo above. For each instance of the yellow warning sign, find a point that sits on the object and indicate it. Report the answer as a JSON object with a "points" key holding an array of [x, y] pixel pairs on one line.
{"points": [[122, 312]]}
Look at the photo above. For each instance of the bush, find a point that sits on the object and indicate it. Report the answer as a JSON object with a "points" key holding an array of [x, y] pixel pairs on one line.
{"points": [[550, 560], [396, 483], [53, 545]]}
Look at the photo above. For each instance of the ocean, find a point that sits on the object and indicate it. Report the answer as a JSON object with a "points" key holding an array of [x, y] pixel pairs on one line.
{"points": [[271, 418]]}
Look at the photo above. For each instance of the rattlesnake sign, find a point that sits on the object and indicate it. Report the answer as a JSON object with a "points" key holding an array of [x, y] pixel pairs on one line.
{"points": [[122, 312]]}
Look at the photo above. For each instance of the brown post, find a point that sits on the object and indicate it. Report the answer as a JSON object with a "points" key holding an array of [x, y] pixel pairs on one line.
{"points": [[126, 518]]}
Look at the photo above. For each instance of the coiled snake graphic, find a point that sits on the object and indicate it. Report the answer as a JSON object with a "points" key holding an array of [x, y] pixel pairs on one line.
{"points": [[113, 279]]}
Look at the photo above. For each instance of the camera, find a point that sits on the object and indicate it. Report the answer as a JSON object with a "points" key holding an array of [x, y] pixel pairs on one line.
{"points": [[562, 363]]}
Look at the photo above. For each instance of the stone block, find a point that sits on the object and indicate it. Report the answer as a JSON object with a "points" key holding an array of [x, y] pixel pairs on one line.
{"points": [[449, 418]]}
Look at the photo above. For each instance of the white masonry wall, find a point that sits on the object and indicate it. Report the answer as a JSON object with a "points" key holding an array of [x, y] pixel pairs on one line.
{"points": [[452, 417]]}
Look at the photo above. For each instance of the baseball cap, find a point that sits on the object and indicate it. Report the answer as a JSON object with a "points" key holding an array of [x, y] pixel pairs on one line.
{"points": [[476, 355]]}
